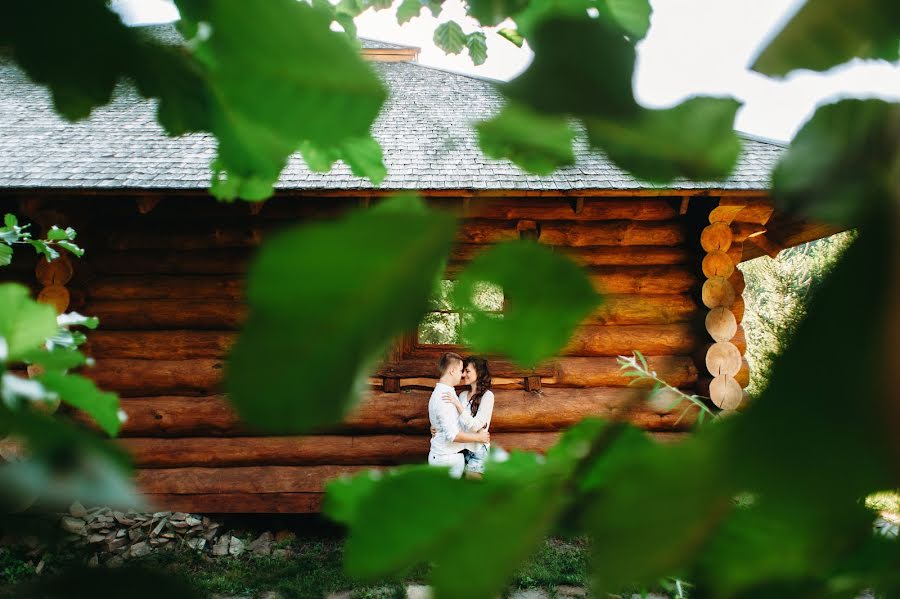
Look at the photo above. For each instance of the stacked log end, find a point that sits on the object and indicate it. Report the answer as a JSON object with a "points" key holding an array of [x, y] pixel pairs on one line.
{"points": [[723, 355]]}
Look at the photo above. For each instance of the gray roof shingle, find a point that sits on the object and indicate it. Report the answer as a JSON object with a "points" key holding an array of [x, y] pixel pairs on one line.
{"points": [[425, 130]]}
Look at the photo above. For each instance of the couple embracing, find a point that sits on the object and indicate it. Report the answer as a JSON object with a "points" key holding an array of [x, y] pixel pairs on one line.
{"points": [[459, 424]]}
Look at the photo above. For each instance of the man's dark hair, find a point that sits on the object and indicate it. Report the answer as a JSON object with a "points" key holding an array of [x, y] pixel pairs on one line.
{"points": [[446, 360]]}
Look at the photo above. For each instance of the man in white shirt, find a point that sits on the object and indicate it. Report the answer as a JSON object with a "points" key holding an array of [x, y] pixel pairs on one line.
{"points": [[448, 441]]}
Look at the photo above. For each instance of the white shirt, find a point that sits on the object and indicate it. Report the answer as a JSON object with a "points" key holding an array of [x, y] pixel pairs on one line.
{"points": [[443, 419], [481, 419]]}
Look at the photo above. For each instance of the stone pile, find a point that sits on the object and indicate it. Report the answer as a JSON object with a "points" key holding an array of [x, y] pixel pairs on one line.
{"points": [[115, 536]]}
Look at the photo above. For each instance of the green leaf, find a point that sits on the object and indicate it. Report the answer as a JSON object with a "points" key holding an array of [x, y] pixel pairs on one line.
{"points": [[477, 45], [540, 318], [44, 249], [556, 83], [306, 350], [391, 531], [493, 12], [71, 248], [55, 234], [74, 319], [511, 35], [841, 166], [10, 220], [83, 394], [24, 323], [63, 464], [6, 254], [826, 33], [435, 6], [450, 38], [408, 10], [632, 15], [56, 359], [644, 531], [263, 113], [537, 143], [695, 140], [379, 4]]}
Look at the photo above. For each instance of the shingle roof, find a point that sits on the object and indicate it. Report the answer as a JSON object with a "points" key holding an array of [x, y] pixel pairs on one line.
{"points": [[425, 130], [371, 44]]}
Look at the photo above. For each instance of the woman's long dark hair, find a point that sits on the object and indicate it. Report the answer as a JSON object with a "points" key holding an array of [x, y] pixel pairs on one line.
{"points": [[482, 381]]}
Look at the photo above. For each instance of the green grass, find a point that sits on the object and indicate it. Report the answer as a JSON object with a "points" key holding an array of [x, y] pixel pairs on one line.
{"points": [[312, 569]]}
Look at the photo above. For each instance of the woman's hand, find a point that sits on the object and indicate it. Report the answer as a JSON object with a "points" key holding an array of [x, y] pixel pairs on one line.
{"points": [[433, 431], [451, 398], [483, 436]]}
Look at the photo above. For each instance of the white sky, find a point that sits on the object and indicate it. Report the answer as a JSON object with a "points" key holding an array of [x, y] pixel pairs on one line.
{"points": [[693, 47]]}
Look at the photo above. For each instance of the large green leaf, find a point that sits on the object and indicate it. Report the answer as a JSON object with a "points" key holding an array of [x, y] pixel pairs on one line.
{"points": [[269, 95], [842, 165], [24, 323], [581, 66], [83, 394], [657, 504], [537, 143], [695, 140], [391, 531], [539, 318], [826, 33], [319, 319], [449, 37]]}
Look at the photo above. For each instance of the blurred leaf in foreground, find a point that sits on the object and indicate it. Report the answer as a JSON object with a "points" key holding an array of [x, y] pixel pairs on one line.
{"points": [[319, 319], [842, 165], [543, 308], [826, 33]]}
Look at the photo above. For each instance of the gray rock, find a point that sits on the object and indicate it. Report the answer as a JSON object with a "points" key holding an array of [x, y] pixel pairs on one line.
{"points": [[114, 562], [140, 549], [271, 595], [565, 591], [77, 510], [262, 545], [236, 547], [72, 525], [284, 535], [340, 595], [94, 561], [221, 546], [418, 591], [530, 594]]}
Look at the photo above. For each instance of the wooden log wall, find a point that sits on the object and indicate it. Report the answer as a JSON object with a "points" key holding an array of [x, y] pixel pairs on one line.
{"points": [[166, 279]]}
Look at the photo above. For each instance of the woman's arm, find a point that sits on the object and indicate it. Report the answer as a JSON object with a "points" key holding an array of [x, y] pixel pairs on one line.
{"points": [[483, 417], [450, 398]]}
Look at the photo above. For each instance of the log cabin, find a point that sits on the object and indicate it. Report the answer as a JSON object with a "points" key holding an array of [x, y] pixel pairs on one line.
{"points": [[165, 264]]}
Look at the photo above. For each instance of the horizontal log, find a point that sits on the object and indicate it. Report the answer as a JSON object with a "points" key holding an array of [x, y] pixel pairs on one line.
{"points": [[482, 231], [678, 371], [147, 262], [603, 340], [643, 279], [612, 233], [564, 209], [159, 345], [167, 313], [131, 377], [184, 238], [238, 503], [214, 314], [628, 255], [427, 368], [166, 287], [407, 412], [753, 210], [335, 450], [644, 309], [242, 479]]}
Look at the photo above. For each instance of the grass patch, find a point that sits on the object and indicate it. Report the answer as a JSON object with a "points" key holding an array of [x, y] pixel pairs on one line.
{"points": [[311, 568]]}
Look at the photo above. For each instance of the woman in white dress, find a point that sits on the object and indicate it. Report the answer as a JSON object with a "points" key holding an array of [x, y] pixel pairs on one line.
{"points": [[475, 407]]}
